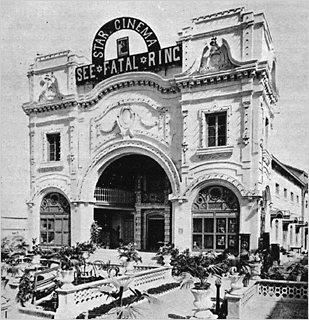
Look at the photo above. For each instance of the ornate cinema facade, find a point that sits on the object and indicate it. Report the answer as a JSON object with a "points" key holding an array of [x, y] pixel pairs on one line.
{"points": [[167, 145]]}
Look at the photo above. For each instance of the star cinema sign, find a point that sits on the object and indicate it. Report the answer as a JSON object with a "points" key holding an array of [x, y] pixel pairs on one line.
{"points": [[155, 58]]}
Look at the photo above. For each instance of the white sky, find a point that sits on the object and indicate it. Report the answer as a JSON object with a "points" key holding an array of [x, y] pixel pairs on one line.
{"points": [[29, 28]]}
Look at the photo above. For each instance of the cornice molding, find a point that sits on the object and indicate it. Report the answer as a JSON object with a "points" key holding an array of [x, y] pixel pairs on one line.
{"points": [[136, 79], [152, 80]]}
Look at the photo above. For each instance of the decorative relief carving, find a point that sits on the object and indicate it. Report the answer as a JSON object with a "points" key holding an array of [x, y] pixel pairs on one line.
{"points": [[185, 130], [245, 134], [71, 156], [129, 119], [51, 88], [215, 58]]}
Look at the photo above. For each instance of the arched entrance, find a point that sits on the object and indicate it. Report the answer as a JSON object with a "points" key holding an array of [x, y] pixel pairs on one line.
{"points": [[127, 191], [215, 219], [55, 220]]}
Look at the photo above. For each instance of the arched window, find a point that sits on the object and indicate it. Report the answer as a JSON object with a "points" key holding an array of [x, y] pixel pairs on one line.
{"points": [[215, 214], [55, 220]]}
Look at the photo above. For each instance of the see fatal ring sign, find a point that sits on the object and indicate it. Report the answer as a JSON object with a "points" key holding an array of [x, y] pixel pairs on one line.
{"points": [[154, 58]]}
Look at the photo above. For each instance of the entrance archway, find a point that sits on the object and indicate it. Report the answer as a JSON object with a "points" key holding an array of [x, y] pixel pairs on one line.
{"points": [[126, 190], [55, 220], [215, 215]]}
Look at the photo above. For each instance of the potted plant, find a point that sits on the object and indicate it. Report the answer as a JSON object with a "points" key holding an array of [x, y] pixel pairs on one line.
{"points": [[165, 254], [95, 233], [298, 272], [195, 270], [130, 255], [255, 264], [36, 251], [245, 271], [116, 290], [25, 289], [69, 259]]}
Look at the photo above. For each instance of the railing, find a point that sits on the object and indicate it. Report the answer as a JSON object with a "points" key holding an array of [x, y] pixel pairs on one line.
{"points": [[86, 296], [114, 196], [154, 197], [240, 303], [283, 289]]}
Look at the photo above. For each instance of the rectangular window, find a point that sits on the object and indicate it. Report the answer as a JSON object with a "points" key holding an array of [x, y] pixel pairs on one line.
{"points": [[297, 199], [292, 196], [216, 129], [285, 192], [277, 189], [53, 147], [215, 233]]}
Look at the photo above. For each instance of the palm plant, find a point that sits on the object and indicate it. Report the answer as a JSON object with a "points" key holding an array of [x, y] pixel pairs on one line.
{"points": [[95, 233], [120, 286], [25, 289], [130, 253], [195, 269]]}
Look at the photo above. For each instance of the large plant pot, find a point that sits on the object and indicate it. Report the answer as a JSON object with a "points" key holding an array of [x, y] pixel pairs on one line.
{"points": [[130, 267], [36, 260], [236, 282], [67, 278], [255, 270], [202, 302], [167, 260]]}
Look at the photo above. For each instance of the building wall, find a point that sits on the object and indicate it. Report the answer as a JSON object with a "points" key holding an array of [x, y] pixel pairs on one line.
{"points": [[167, 122]]}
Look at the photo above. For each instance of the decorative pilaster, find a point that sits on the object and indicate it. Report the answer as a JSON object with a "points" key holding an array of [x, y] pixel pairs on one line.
{"points": [[138, 228], [32, 160], [167, 225]]}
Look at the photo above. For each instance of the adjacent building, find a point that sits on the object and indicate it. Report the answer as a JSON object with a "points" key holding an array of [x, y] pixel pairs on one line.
{"points": [[167, 145]]}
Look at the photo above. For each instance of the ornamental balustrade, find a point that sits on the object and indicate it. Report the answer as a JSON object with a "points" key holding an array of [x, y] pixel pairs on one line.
{"points": [[81, 298], [240, 305], [114, 196]]}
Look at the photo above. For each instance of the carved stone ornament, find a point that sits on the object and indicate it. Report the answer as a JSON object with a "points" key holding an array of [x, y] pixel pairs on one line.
{"points": [[50, 88], [215, 58], [125, 121], [128, 121]]}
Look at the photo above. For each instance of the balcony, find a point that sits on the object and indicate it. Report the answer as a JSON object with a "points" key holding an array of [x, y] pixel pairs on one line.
{"points": [[114, 196]]}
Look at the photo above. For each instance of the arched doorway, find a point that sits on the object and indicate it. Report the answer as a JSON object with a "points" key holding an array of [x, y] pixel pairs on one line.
{"points": [[129, 189], [215, 214], [54, 220]]}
